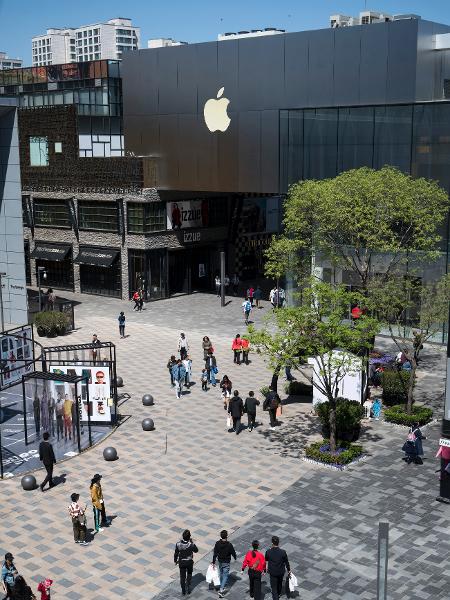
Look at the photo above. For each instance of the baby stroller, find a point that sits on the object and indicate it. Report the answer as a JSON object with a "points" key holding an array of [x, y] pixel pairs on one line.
{"points": [[411, 450]]}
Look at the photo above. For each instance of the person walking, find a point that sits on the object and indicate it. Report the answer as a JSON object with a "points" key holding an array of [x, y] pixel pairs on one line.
{"points": [[184, 558], [47, 456], [245, 348], [179, 377], [141, 300], [207, 346], [235, 284], [226, 283], [204, 379], [257, 296], [21, 591], [217, 283], [236, 346], [247, 309], [136, 299], [415, 430], [95, 352], [250, 293], [121, 319], [51, 298], [236, 410], [250, 408], [223, 551], [271, 404], [256, 564], [78, 515], [187, 364], [9, 574], [183, 346], [277, 563], [97, 501], [226, 386], [211, 367], [170, 364]]}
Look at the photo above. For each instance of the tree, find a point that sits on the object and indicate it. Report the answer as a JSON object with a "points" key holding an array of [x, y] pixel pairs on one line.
{"points": [[355, 218], [414, 313], [318, 328]]}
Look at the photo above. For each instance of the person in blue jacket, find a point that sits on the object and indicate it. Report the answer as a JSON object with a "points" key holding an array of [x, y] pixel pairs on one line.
{"points": [[179, 375]]}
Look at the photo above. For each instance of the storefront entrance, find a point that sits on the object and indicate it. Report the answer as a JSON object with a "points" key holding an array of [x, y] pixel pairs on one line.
{"points": [[148, 272], [192, 269], [100, 271], [57, 262]]}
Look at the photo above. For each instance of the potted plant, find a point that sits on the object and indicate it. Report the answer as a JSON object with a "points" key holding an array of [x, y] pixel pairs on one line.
{"points": [[51, 323]]}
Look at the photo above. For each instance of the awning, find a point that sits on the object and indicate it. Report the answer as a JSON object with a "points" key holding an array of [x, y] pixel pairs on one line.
{"points": [[56, 252], [96, 257]]}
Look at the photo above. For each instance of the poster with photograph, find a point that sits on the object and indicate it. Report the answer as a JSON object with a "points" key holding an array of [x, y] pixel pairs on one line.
{"points": [[97, 387], [186, 214], [16, 354]]}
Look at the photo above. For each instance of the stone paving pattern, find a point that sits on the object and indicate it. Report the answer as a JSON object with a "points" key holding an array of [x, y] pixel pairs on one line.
{"points": [[253, 484]]}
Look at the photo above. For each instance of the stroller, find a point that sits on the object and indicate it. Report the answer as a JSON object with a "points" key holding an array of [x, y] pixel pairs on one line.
{"points": [[411, 450]]}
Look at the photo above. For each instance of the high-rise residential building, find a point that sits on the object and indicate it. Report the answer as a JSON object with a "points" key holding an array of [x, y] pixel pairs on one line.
{"points": [[9, 63], [232, 35], [89, 42], [163, 43]]}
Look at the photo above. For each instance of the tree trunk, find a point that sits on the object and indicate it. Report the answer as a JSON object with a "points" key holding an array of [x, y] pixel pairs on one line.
{"points": [[274, 383], [409, 403], [332, 422]]}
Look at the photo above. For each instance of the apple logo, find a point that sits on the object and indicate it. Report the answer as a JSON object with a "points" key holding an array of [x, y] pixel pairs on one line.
{"points": [[215, 112]]}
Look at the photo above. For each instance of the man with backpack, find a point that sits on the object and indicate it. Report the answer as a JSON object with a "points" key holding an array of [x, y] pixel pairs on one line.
{"points": [[247, 308], [184, 558], [271, 403]]}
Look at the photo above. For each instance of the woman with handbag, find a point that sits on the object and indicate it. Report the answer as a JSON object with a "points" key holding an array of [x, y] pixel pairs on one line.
{"points": [[256, 564], [207, 346], [226, 386], [78, 515]]}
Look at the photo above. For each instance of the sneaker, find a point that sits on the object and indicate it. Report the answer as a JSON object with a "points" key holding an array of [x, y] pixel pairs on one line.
{"points": [[84, 543], [77, 542], [221, 595], [99, 530]]}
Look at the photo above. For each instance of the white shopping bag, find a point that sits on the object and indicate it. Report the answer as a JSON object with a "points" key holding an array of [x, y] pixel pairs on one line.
{"points": [[229, 422], [212, 575], [293, 583]]}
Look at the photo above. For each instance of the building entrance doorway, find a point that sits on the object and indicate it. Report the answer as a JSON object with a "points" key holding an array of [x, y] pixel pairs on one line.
{"points": [[192, 269]]}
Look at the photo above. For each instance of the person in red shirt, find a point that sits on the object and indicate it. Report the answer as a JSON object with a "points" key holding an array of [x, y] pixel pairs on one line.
{"points": [[256, 564], [44, 588], [236, 346], [356, 312], [245, 345]]}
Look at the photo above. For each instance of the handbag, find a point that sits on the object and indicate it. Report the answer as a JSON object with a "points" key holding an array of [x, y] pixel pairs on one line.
{"points": [[229, 422]]}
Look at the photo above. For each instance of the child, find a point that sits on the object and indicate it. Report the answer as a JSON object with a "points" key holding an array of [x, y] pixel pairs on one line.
{"points": [[376, 409], [187, 364], [44, 588], [204, 380]]}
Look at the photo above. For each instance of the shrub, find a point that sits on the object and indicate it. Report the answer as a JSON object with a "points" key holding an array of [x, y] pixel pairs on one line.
{"points": [[395, 387], [344, 454], [397, 414], [51, 323], [297, 388], [348, 417]]}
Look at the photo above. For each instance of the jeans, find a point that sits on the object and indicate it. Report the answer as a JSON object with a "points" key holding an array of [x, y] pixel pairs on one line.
{"points": [[251, 420], [97, 513], [186, 568], [212, 377], [224, 572], [178, 388], [237, 424], [122, 330], [255, 584], [276, 585]]}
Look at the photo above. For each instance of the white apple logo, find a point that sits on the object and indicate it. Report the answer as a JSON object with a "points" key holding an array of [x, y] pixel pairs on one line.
{"points": [[215, 113]]}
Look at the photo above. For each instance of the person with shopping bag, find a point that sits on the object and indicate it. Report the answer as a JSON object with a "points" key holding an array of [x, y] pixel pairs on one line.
{"points": [[277, 563], [256, 564], [223, 551]]}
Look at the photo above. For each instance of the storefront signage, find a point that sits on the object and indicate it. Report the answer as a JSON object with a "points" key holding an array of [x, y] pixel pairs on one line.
{"points": [[16, 355], [98, 382], [192, 236], [186, 214]]}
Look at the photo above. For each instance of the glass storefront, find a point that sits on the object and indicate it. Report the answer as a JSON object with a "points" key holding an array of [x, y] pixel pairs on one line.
{"points": [[147, 271], [59, 273], [100, 271]]}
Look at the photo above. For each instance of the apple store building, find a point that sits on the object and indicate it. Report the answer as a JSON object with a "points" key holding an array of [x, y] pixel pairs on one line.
{"points": [[231, 124]]}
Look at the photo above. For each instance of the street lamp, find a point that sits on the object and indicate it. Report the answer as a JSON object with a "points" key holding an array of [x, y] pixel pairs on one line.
{"points": [[41, 270], [1, 301]]}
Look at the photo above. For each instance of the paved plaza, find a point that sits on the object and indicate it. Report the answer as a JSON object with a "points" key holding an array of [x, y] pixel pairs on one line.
{"points": [[190, 472]]}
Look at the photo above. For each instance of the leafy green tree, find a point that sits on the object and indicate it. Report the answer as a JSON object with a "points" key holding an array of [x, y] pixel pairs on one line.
{"points": [[354, 218], [318, 328], [414, 313]]}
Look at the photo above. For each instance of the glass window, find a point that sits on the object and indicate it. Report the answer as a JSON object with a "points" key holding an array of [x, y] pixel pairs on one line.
{"points": [[320, 139], [355, 138], [101, 216], [392, 137], [51, 213], [38, 151], [146, 217]]}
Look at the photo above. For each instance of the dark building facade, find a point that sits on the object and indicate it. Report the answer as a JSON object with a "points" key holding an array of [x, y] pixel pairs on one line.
{"points": [[301, 105]]}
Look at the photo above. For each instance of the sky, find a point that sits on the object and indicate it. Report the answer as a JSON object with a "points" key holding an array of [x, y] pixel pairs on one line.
{"points": [[189, 20]]}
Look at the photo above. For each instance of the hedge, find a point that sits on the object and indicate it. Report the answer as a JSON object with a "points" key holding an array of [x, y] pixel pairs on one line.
{"points": [[348, 414], [395, 387], [51, 323], [345, 453], [397, 414]]}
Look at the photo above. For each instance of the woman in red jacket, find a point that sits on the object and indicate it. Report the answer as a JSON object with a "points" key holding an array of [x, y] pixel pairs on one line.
{"points": [[236, 346], [256, 564]]}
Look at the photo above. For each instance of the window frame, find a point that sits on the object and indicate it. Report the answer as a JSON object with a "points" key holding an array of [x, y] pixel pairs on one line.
{"points": [[53, 206], [94, 204]]}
